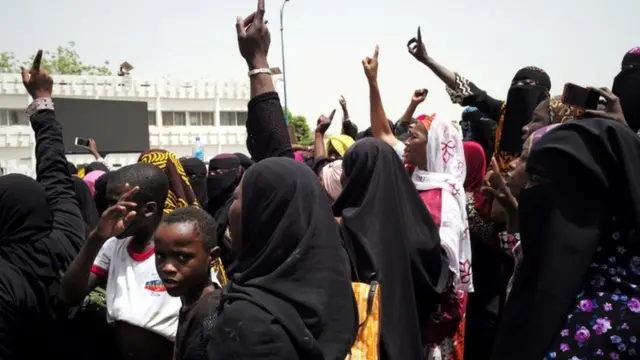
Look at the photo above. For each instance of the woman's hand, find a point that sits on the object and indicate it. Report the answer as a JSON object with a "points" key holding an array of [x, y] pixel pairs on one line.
{"points": [[37, 80], [324, 122], [417, 49], [370, 65], [613, 110], [499, 190], [254, 38]]}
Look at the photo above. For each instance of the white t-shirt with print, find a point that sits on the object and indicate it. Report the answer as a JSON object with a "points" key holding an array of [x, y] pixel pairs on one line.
{"points": [[135, 293]]}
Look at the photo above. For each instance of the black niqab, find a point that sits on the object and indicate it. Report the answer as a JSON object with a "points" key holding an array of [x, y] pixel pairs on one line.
{"points": [[26, 217], [522, 100], [86, 204], [245, 161], [291, 265], [395, 237], [592, 165], [220, 186], [626, 86], [196, 170]]}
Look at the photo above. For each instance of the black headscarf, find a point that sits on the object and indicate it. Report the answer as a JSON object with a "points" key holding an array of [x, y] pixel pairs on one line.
{"points": [[26, 220], [73, 170], [245, 161], [394, 236], [626, 86], [196, 170], [521, 101], [225, 172], [477, 127], [291, 266], [592, 165], [96, 165], [86, 204], [100, 196]]}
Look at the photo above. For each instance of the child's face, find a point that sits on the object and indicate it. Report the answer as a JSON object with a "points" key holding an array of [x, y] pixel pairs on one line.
{"points": [[182, 261]]}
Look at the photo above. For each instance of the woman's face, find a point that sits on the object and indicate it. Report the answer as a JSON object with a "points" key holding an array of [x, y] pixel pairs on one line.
{"points": [[415, 152], [517, 177], [540, 119], [235, 218]]}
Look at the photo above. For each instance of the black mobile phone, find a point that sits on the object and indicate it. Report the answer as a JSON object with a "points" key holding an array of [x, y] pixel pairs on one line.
{"points": [[578, 96], [82, 142]]}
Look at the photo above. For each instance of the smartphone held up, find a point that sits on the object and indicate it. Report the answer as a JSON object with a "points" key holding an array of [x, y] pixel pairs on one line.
{"points": [[581, 97]]}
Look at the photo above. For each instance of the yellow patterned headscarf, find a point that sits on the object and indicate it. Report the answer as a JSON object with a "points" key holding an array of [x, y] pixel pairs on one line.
{"points": [[180, 192], [560, 113], [340, 143]]}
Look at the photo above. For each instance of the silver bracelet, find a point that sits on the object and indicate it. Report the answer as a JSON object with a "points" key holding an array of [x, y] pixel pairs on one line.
{"points": [[39, 104], [259, 71]]}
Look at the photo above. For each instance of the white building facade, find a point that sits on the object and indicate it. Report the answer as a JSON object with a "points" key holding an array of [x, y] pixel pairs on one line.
{"points": [[178, 112]]}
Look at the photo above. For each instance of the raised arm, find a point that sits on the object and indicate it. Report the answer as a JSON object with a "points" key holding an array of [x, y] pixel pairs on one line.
{"points": [[348, 127], [379, 125], [460, 90], [51, 163], [267, 134]]}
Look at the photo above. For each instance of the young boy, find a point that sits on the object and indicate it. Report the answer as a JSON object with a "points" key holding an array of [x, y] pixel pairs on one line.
{"points": [[119, 254], [186, 249]]}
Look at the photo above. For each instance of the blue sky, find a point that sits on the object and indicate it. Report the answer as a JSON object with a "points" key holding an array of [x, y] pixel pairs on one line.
{"points": [[325, 41]]}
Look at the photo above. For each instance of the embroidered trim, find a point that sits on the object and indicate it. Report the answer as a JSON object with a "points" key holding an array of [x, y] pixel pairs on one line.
{"points": [[38, 105], [508, 241], [462, 90]]}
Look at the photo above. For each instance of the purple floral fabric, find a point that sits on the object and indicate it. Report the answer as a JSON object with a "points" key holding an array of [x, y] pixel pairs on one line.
{"points": [[605, 323]]}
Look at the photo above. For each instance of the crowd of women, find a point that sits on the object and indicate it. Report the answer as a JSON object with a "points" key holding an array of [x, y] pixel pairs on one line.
{"points": [[511, 234]]}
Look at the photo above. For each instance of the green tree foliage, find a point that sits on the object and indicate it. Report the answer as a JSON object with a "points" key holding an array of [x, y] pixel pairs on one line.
{"points": [[63, 60], [303, 133]]}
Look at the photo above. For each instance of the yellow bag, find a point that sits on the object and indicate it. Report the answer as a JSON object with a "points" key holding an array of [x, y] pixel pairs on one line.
{"points": [[367, 343]]}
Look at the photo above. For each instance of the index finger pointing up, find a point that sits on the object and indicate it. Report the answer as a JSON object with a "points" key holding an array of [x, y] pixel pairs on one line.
{"points": [[376, 52], [36, 61], [260, 12]]}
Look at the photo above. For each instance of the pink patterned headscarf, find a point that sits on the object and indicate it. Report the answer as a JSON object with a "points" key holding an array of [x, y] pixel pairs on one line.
{"points": [[90, 180], [447, 170], [331, 174]]}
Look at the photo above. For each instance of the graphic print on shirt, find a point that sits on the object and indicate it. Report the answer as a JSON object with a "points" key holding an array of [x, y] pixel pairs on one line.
{"points": [[155, 286]]}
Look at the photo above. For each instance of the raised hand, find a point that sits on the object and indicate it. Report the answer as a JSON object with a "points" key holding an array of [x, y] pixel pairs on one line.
{"points": [[417, 49], [419, 96], [117, 217], [254, 38], [499, 190], [613, 110], [343, 102], [37, 80], [324, 122], [370, 65]]}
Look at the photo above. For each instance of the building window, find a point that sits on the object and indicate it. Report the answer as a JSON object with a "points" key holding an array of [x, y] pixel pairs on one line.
{"points": [[201, 118], [232, 118], [208, 119], [10, 117], [174, 118], [241, 118], [151, 116], [227, 118]]}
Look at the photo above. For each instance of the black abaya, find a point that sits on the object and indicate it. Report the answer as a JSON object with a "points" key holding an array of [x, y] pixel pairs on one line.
{"points": [[394, 236], [593, 173], [41, 231], [289, 295]]}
